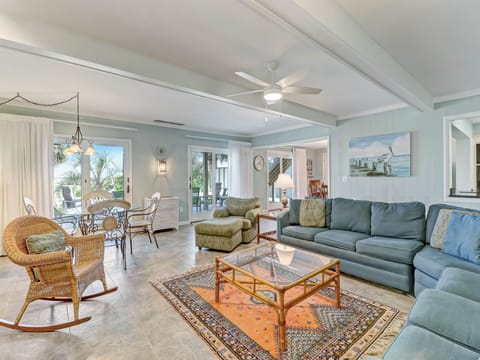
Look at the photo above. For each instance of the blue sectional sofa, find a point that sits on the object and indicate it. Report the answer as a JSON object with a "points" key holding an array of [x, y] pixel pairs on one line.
{"points": [[375, 241], [443, 322]]}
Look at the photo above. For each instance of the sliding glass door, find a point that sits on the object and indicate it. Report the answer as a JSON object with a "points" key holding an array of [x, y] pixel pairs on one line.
{"points": [[208, 181], [75, 175]]}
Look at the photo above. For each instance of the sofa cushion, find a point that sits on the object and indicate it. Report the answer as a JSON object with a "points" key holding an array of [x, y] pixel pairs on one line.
{"points": [[398, 250], [448, 315], [460, 282], [340, 239], [294, 211], [352, 215], [432, 261], [399, 220], [463, 237], [302, 232], [237, 206], [312, 213], [414, 342], [246, 224], [441, 225]]}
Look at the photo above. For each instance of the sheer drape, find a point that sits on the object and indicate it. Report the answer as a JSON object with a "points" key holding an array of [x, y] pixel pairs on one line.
{"points": [[241, 175], [300, 175], [26, 145]]}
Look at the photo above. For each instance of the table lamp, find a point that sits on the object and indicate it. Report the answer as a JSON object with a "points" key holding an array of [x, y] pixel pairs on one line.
{"points": [[284, 182]]}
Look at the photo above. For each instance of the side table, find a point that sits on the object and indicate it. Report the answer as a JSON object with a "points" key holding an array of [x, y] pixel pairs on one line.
{"points": [[271, 215]]}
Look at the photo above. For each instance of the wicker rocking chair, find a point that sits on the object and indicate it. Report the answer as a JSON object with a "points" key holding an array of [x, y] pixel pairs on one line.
{"points": [[52, 275]]}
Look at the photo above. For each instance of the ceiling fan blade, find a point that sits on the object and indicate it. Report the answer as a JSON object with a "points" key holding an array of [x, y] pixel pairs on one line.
{"points": [[292, 78], [300, 90], [251, 79], [245, 93]]}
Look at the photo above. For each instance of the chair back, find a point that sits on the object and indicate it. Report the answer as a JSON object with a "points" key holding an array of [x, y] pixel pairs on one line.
{"points": [[152, 209], [314, 188], [218, 189], [324, 190], [95, 196], [16, 232], [108, 204], [29, 206]]}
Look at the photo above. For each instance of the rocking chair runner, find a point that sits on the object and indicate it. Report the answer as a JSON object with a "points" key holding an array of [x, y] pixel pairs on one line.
{"points": [[52, 275]]}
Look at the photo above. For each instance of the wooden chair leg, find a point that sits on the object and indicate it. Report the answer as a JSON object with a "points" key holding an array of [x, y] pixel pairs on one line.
{"points": [[21, 312]]}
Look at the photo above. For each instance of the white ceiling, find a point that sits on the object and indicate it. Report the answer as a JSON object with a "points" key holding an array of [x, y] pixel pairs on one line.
{"points": [[214, 38]]}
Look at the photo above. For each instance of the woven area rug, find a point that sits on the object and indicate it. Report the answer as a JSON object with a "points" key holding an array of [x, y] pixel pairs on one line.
{"points": [[240, 327]]}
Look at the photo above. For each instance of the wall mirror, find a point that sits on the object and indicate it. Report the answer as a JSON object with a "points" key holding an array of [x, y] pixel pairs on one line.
{"points": [[462, 154]]}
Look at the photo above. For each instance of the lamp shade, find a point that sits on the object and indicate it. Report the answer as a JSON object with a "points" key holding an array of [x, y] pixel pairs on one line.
{"points": [[284, 181]]}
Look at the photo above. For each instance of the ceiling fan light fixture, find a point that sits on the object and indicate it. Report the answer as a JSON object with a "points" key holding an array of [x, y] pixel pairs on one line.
{"points": [[272, 94]]}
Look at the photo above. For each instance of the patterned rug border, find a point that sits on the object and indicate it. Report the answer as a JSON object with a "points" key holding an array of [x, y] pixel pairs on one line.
{"points": [[376, 347]]}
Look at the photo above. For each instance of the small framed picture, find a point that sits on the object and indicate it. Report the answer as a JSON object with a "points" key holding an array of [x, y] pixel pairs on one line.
{"points": [[309, 168]]}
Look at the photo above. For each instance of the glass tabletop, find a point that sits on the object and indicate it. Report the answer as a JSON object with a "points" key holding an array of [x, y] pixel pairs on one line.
{"points": [[278, 263]]}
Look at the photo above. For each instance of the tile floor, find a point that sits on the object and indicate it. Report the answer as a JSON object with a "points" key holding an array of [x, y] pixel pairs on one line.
{"points": [[134, 322]]}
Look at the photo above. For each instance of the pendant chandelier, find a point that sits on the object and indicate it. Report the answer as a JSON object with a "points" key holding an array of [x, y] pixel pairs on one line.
{"points": [[75, 143]]}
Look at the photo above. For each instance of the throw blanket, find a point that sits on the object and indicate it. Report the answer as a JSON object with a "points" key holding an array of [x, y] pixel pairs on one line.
{"points": [[312, 213]]}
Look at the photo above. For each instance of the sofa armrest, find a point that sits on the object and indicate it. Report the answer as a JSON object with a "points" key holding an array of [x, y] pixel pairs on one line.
{"points": [[221, 212], [282, 221], [252, 215]]}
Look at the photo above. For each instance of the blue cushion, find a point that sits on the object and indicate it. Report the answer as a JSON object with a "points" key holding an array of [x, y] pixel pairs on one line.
{"points": [[460, 282], [432, 261], [398, 250], [294, 211], [416, 343], [448, 315], [399, 220], [353, 215], [433, 211], [340, 239], [302, 232], [463, 237]]}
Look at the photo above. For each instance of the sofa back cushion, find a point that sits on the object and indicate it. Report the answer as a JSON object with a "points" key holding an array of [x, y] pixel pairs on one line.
{"points": [[463, 237], [351, 215], [239, 207], [404, 220], [432, 216]]}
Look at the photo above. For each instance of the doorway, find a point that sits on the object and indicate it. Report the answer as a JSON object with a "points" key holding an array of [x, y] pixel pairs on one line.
{"points": [[208, 181], [77, 174]]}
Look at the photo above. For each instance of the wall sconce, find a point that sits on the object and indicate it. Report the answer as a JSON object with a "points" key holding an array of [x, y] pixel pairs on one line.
{"points": [[162, 167]]}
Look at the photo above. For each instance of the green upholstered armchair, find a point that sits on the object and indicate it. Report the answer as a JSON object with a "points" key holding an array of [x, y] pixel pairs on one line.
{"points": [[245, 210]]}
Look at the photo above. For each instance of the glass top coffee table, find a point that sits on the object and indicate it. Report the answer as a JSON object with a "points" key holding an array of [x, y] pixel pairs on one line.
{"points": [[280, 269]]}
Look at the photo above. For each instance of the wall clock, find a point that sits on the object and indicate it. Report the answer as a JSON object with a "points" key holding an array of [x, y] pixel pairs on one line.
{"points": [[258, 162]]}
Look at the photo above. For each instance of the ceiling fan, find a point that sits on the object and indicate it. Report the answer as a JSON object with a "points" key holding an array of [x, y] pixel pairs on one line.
{"points": [[274, 91]]}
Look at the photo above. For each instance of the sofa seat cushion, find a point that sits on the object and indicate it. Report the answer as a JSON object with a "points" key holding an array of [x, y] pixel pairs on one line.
{"points": [[404, 220], [302, 232], [414, 342], [340, 239], [352, 215], [246, 224], [460, 282], [432, 261], [448, 315], [219, 227], [398, 250]]}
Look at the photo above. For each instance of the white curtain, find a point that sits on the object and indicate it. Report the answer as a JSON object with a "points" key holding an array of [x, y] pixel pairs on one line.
{"points": [[26, 145], [300, 175], [241, 174]]}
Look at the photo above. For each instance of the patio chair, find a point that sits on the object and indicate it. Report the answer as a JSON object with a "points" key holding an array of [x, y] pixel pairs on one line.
{"points": [[53, 275], [141, 220], [68, 201], [196, 203]]}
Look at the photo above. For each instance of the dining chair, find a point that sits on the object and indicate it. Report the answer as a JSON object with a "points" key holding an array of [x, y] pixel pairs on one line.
{"points": [[324, 190], [314, 188], [140, 221], [95, 196], [58, 275], [29, 206]]}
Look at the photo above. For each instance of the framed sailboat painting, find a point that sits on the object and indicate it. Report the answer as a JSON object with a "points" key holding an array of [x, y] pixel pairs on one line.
{"points": [[381, 155]]}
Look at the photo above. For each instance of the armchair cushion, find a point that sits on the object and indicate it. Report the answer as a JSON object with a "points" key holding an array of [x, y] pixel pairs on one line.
{"points": [[252, 215], [240, 207], [44, 243], [221, 212]]}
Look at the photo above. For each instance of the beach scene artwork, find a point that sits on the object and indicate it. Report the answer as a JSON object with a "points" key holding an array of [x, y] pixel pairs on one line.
{"points": [[381, 155]]}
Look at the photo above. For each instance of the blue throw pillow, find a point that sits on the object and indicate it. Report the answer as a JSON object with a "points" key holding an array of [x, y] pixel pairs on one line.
{"points": [[463, 237]]}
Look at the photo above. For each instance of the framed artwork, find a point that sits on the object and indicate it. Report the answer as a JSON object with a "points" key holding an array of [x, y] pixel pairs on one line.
{"points": [[381, 155], [309, 168]]}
